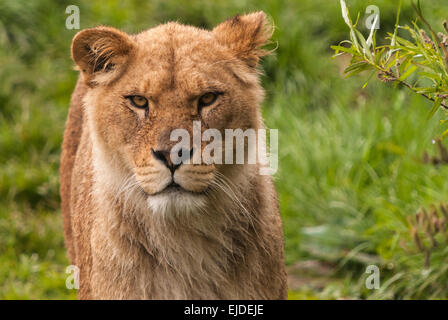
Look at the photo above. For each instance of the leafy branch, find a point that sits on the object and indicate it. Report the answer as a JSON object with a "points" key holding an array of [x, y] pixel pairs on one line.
{"points": [[419, 64]]}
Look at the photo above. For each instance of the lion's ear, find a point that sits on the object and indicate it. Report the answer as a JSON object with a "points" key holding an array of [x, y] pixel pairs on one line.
{"points": [[245, 36], [100, 53]]}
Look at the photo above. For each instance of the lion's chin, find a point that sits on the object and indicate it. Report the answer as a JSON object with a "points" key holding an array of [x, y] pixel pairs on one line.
{"points": [[175, 200]]}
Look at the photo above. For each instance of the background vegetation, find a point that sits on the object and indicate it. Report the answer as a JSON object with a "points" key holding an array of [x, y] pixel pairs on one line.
{"points": [[355, 164]]}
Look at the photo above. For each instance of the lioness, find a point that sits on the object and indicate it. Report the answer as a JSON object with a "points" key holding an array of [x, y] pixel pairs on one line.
{"points": [[139, 226]]}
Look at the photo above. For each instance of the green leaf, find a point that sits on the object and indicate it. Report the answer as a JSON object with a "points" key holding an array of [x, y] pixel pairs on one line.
{"points": [[405, 64], [425, 90], [430, 75], [368, 79], [356, 68], [435, 107], [365, 47], [343, 49], [408, 72], [444, 134]]}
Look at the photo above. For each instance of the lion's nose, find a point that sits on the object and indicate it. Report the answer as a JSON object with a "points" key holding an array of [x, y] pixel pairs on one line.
{"points": [[168, 157]]}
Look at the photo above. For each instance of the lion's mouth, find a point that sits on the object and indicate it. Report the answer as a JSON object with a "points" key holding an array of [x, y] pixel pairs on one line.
{"points": [[174, 188]]}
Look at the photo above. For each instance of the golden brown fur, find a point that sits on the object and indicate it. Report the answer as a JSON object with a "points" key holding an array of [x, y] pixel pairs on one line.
{"points": [[220, 238]]}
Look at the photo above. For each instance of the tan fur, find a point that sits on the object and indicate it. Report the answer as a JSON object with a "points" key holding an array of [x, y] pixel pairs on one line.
{"points": [[222, 237]]}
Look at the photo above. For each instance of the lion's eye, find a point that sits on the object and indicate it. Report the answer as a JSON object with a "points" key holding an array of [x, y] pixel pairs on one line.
{"points": [[207, 99], [138, 101]]}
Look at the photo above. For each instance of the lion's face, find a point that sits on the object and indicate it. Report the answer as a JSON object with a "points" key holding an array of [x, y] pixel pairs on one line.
{"points": [[145, 86]]}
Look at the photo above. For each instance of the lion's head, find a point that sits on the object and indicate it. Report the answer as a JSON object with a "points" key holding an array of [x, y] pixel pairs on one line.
{"points": [[144, 86]]}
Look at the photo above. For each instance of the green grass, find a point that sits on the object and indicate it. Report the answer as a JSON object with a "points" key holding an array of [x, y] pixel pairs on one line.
{"points": [[350, 167]]}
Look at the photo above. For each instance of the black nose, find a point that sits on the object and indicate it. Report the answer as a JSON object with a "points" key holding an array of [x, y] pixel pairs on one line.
{"points": [[165, 156]]}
